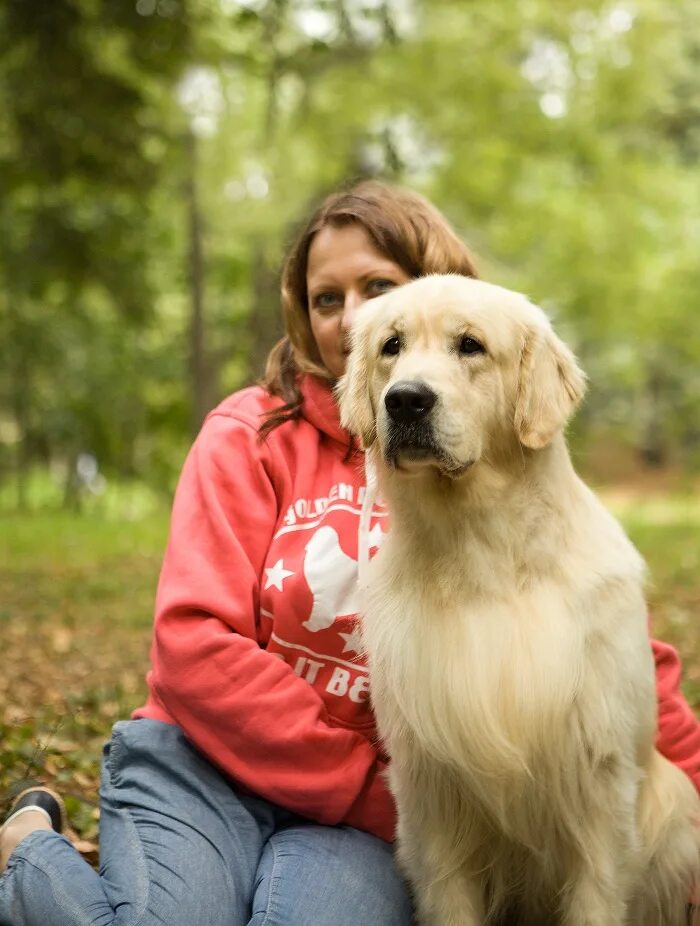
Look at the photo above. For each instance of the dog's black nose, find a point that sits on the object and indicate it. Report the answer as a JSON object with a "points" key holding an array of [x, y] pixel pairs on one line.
{"points": [[407, 401]]}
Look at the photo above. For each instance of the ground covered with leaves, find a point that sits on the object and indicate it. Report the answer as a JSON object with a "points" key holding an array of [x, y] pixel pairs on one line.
{"points": [[76, 603], [76, 598]]}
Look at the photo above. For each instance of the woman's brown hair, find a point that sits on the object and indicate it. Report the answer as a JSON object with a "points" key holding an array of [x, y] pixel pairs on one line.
{"points": [[403, 226]]}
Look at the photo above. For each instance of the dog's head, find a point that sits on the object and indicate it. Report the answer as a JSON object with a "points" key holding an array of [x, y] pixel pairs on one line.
{"points": [[447, 370]]}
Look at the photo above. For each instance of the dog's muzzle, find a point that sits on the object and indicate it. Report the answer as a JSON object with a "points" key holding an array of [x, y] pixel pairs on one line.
{"points": [[410, 434], [409, 402]]}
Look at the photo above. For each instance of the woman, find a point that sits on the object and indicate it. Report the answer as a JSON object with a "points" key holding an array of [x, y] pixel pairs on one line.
{"points": [[250, 789]]}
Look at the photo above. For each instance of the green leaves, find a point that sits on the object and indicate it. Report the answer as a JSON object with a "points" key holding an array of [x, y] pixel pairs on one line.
{"points": [[561, 140]]}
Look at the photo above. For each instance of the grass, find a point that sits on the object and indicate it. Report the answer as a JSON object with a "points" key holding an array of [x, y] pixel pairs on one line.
{"points": [[76, 603], [76, 599], [666, 530]]}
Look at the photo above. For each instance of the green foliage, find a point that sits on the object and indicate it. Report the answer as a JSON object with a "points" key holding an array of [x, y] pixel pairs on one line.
{"points": [[155, 156], [665, 530]]}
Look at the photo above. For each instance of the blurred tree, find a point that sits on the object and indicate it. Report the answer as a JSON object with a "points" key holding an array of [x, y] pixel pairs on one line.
{"points": [[155, 157], [89, 144]]}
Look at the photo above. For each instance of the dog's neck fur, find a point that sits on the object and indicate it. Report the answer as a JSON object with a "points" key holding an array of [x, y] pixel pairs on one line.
{"points": [[497, 520]]}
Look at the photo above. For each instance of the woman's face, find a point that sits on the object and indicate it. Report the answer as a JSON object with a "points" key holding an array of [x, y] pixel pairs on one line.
{"points": [[344, 270]]}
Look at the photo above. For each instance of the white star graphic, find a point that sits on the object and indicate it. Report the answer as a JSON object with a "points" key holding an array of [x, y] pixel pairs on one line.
{"points": [[353, 641], [276, 575], [376, 536]]}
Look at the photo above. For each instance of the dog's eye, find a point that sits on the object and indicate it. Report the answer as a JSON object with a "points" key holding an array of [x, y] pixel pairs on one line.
{"points": [[469, 345], [391, 347]]}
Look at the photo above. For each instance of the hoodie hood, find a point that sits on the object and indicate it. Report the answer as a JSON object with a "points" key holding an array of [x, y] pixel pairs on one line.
{"points": [[321, 409]]}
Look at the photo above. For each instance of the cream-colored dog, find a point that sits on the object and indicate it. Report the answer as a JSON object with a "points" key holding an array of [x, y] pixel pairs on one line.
{"points": [[506, 628]]}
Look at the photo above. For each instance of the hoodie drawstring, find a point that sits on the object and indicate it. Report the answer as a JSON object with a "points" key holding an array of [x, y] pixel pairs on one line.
{"points": [[365, 518]]}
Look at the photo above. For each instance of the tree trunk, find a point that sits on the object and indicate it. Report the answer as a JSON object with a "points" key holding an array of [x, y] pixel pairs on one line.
{"points": [[264, 323], [199, 379], [20, 390], [654, 443]]}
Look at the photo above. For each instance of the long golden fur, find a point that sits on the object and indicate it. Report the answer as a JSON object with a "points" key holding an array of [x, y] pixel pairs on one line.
{"points": [[506, 628]]}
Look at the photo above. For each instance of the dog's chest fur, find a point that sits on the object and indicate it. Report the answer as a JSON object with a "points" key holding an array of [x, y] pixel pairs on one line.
{"points": [[474, 671], [497, 675]]}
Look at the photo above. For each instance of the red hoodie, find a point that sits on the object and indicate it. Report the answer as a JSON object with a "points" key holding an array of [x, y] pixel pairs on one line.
{"points": [[255, 652]]}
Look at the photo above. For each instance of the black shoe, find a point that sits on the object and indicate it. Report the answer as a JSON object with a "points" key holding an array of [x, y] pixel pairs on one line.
{"points": [[40, 798]]}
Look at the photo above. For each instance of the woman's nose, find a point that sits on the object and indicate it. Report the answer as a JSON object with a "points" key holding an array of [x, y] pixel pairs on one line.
{"points": [[353, 301]]}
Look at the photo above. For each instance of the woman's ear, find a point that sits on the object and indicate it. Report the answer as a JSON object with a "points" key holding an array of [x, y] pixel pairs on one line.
{"points": [[357, 412], [550, 387]]}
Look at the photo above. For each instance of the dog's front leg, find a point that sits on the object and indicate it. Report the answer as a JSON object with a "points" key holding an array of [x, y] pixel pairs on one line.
{"points": [[429, 850], [600, 889], [441, 899], [594, 904], [453, 901]]}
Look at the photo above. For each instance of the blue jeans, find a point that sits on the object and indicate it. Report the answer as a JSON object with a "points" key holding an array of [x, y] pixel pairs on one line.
{"points": [[180, 847]]}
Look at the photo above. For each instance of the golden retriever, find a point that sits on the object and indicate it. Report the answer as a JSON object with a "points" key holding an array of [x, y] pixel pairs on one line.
{"points": [[506, 628]]}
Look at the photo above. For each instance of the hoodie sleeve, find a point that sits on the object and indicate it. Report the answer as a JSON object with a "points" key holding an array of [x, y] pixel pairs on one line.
{"points": [[679, 731], [245, 709]]}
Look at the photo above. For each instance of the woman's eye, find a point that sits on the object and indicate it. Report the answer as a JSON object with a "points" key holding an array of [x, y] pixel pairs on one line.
{"points": [[469, 345], [377, 287], [326, 300], [391, 347]]}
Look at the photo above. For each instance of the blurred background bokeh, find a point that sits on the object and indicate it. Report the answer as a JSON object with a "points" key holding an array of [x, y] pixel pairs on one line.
{"points": [[155, 159]]}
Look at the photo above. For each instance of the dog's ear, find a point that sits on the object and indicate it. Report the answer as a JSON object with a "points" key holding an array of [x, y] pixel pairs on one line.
{"points": [[357, 412], [550, 387]]}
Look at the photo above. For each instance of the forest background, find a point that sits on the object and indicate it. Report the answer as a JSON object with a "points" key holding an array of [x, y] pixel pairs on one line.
{"points": [[155, 158]]}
